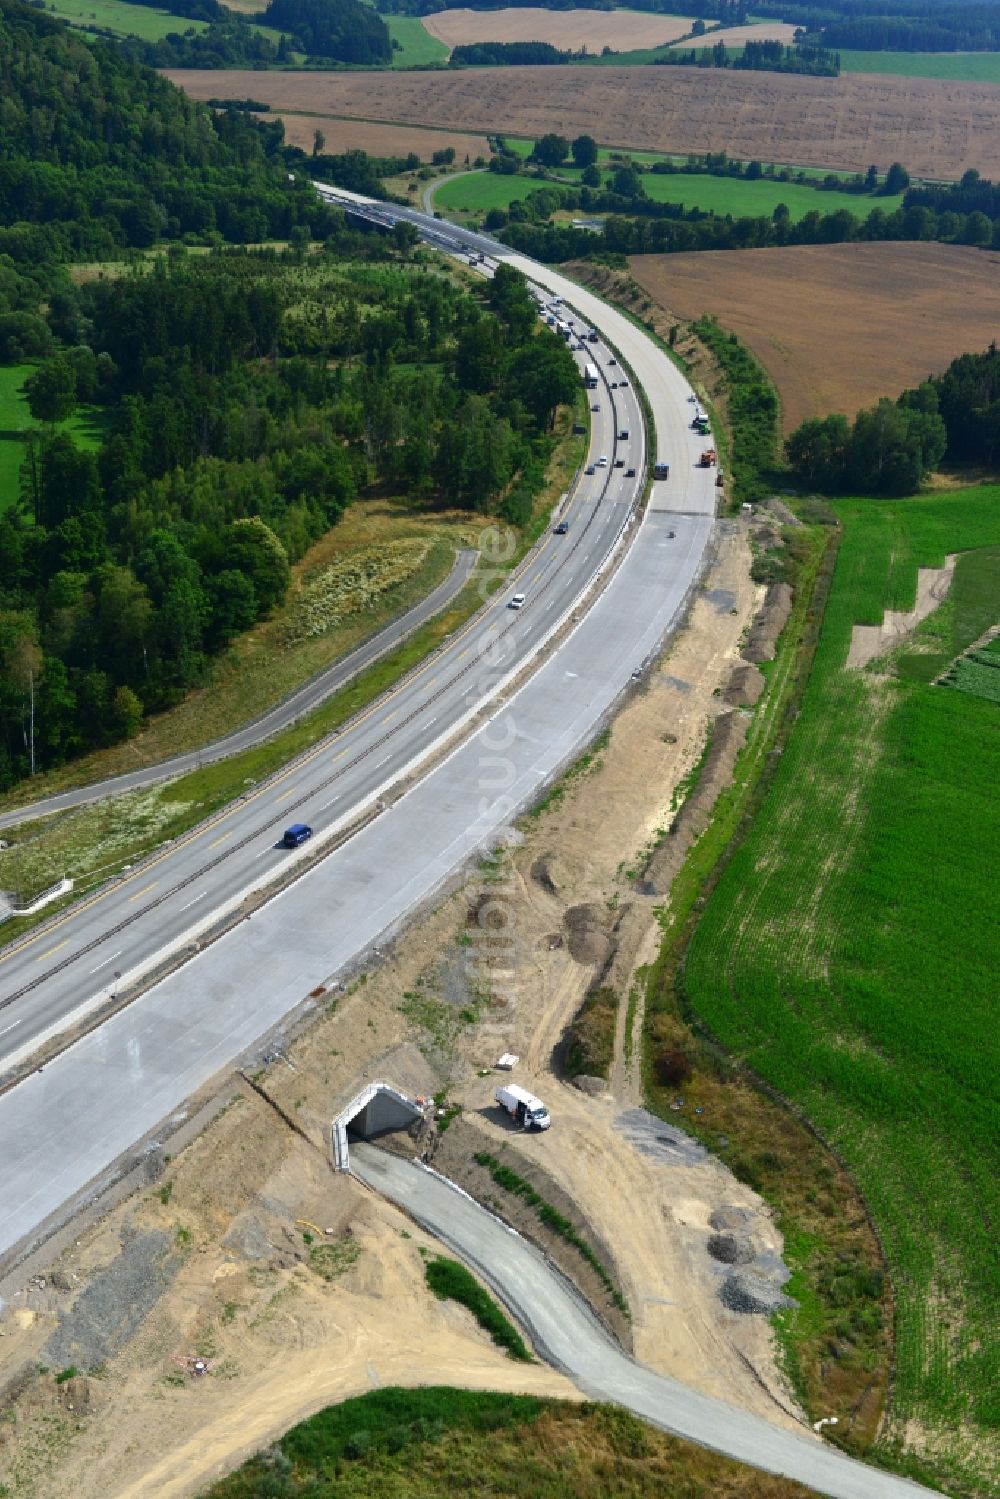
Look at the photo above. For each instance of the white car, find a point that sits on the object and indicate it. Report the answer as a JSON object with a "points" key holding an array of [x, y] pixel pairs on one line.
{"points": [[517, 602], [602, 462]]}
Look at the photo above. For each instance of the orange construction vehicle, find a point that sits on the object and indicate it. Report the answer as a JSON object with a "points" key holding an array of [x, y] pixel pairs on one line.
{"points": [[708, 458]]}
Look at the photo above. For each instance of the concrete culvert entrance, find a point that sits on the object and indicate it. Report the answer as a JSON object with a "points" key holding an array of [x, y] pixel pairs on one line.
{"points": [[377, 1109]]}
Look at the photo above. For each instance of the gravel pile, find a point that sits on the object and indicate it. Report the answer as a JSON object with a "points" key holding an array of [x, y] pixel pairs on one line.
{"points": [[747, 1292], [114, 1305], [587, 934], [731, 1249]]}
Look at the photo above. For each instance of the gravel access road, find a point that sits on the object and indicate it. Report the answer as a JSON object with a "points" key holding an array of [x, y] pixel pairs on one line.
{"points": [[568, 1335]]}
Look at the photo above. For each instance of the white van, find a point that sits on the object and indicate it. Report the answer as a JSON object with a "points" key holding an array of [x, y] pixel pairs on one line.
{"points": [[528, 1111], [517, 602]]}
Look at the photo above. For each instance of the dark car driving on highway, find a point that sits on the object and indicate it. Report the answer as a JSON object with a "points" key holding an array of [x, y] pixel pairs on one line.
{"points": [[296, 834]]}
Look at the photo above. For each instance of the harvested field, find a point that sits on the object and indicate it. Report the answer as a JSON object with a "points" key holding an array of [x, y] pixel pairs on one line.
{"points": [[567, 29], [738, 36], [852, 323], [938, 128], [377, 140]]}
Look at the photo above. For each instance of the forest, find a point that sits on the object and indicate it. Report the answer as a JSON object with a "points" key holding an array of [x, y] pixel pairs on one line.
{"points": [[891, 447], [247, 398]]}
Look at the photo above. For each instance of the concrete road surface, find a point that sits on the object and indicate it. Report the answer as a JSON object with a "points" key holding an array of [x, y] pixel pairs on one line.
{"points": [[62, 1129], [566, 1332], [307, 697]]}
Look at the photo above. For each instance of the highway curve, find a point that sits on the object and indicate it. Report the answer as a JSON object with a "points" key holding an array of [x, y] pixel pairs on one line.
{"points": [[566, 1332]]}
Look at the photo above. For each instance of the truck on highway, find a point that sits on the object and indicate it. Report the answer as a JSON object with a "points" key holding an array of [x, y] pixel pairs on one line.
{"points": [[707, 458], [527, 1110], [590, 376], [661, 470]]}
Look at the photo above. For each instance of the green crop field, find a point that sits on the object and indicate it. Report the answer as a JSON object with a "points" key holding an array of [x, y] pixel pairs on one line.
{"points": [[849, 952], [118, 15], [477, 192], [15, 418], [417, 46], [960, 67]]}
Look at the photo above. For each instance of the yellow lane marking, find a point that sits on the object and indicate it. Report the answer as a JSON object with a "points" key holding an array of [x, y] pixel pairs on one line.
{"points": [[42, 956], [144, 891], [278, 800], [221, 839]]}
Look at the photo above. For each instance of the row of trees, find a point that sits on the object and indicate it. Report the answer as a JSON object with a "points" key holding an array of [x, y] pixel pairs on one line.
{"points": [[632, 228], [765, 57], [244, 409], [891, 447]]}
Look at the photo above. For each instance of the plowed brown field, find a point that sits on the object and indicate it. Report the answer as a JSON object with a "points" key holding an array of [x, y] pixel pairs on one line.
{"points": [[838, 326], [936, 128], [566, 29], [377, 140]]}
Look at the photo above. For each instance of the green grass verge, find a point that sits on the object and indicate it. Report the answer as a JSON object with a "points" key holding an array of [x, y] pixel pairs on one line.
{"points": [[591, 1037], [451, 1281], [417, 47], [425, 1443], [511, 1182], [848, 955], [119, 16], [959, 67]]}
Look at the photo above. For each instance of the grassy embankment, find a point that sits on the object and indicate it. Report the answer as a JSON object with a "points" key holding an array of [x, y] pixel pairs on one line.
{"points": [[420, 1444], [847, 956]]}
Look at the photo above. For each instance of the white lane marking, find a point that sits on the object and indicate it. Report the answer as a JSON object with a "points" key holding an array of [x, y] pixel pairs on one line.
{"points": [[10, 1027], [383, 762], [108, 960], [195, 901], [328, 804]]}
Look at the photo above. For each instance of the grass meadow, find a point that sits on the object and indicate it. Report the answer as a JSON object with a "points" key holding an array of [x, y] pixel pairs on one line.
{"points": [[15, 419], [417, 47], [477, 192], [118, 15], [958, 67], [848, 954]]}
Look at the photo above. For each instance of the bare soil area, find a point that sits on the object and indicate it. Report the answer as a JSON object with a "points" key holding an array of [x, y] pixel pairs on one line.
{"points": [[852, 322], [295, 1287], [378, 140], [569, 30], [937, 127], [871, 641], [738, 36]]}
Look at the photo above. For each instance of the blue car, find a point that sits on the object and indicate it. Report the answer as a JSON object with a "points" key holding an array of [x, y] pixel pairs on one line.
{"points": [[296, 834]]}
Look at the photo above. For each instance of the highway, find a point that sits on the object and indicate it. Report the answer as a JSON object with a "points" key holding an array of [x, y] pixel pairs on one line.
{"points": [[107, 940], [60, 1129], [565, 1331], [302, 701]]}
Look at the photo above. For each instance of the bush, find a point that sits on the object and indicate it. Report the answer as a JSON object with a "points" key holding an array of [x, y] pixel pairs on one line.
{"points": [[450, 1281], [672, 1066]]}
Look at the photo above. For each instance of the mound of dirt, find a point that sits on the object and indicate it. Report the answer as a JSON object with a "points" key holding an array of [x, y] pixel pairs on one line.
{"points": [[729, 1220], [769, 623], [747, 1292], [745, 685], [593, 1086], [730, 1249], [549, 871], [587, 933]]}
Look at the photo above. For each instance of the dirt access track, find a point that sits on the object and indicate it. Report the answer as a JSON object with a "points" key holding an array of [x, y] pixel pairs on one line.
{"points": [[298, 1287], [852, 323], [937, 128]]}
